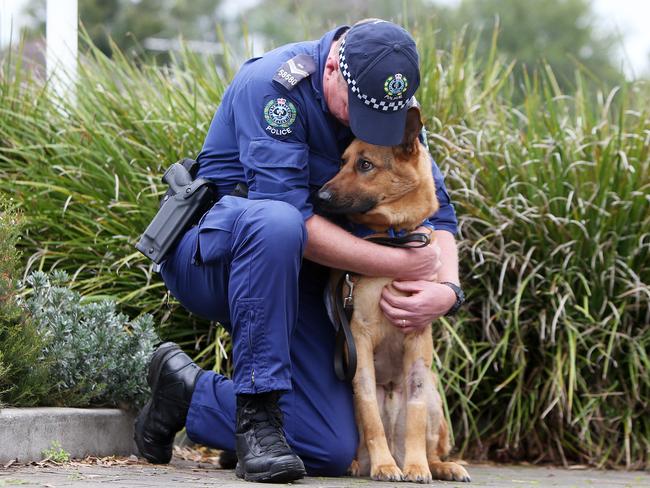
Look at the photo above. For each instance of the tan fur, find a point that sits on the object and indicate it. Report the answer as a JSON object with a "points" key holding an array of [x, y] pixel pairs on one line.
{"points": [[403, 431]]}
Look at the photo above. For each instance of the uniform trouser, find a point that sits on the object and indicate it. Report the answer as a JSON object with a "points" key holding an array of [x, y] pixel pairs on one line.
{"points": [[242, 266]]}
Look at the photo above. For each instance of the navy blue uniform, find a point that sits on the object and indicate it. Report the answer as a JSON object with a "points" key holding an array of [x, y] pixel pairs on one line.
{"points": [[242, 264]]}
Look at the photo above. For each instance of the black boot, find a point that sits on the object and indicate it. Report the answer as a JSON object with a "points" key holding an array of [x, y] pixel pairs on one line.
{"points": [[228, 459], [172, 377], [262, 450]]}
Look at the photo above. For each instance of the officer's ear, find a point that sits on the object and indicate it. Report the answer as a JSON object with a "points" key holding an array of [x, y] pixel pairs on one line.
{"points": [[331, 64], [409, 144]]}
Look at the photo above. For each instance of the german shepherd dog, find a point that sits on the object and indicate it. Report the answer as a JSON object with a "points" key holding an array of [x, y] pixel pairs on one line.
{"points": [[403, 431]]}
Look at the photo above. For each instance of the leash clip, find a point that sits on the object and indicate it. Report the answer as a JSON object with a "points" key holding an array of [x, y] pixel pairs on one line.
{"points": [[348, 301]]}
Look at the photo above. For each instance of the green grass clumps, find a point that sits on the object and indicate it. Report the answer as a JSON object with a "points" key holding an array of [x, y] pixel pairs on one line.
{"points": [[549, 361], [88, 170]]}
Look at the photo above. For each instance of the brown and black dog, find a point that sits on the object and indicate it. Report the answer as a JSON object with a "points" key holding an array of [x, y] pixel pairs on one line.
{"points": [[403, 431]]}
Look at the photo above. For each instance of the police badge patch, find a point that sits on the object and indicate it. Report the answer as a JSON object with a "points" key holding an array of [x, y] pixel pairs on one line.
{"points": [[279, 114], [395, 86]]}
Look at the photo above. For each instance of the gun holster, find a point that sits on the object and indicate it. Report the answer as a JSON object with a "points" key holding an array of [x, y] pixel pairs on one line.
{"points": [[187, 199]]}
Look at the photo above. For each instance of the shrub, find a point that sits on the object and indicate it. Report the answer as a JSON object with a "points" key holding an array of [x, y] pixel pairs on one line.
{"points": [[23, 375], [98, 356], [64, 351]]}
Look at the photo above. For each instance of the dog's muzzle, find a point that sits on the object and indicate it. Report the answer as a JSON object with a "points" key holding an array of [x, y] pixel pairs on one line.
{"points": [[331, 202]]}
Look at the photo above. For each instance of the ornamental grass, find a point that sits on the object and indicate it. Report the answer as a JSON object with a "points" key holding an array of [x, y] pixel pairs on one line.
{"points": [[549, 359]]}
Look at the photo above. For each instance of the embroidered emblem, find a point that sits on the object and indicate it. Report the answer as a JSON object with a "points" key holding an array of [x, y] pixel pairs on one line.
{"points": [[280, 114], [395, 85]]}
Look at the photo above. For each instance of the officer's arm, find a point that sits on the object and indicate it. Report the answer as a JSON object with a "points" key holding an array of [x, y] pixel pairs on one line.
{"points": [[448, 270], [445, 225], [332, 246], [426, 301]]}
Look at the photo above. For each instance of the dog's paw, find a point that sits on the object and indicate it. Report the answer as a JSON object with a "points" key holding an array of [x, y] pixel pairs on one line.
{"points": [[354, 469], [386, 472], [449, 472], [418, 473]]}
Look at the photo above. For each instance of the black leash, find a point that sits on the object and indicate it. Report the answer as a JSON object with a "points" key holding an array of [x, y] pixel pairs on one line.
{"points": [[344, 307], [414, 240]]}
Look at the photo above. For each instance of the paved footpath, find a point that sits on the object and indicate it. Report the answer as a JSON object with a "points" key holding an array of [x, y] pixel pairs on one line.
{"points": [[190, 474]]}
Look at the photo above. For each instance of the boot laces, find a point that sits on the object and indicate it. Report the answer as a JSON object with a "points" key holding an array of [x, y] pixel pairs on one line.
{"points": [[266, 421]]}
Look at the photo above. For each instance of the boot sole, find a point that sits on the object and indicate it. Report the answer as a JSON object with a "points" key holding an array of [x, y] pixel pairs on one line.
{"points": [[279, 473]]}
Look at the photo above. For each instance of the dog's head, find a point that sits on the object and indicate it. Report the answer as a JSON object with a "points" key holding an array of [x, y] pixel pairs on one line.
{"points": [[383, 186]]}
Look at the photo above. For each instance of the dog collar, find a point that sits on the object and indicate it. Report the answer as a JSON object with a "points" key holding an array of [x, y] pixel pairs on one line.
{"points": [[393, 233]]}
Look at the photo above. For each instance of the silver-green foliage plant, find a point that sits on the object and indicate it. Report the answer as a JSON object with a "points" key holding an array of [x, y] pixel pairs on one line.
{"points": [[98, 355]]}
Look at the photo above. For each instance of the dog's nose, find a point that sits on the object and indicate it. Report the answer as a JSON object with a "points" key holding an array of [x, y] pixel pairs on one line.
{"points": [[324, 195]]}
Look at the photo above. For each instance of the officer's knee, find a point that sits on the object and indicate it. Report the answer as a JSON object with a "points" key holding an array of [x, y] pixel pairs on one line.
{"points": [[277, 222], [338, 453]]}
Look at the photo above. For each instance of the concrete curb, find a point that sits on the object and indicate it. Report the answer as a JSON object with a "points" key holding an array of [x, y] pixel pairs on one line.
{"points": [[26, 432]]}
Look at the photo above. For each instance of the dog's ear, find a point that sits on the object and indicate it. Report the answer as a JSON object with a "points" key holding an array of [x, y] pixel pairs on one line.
{"points": [[412, 130]]}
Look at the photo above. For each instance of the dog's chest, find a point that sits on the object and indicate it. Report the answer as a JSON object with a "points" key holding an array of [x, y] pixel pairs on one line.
{"points": [[387, 340], [389, 360]]}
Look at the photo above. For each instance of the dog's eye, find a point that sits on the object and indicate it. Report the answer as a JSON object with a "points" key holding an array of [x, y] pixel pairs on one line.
{"points": [[364, 165]]}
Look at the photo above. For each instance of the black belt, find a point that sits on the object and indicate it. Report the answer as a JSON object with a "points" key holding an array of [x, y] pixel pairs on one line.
{"points": [[343, 308]]}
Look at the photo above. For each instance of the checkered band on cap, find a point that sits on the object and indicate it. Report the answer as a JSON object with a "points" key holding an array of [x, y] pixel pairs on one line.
{"points": [[372, 102]]}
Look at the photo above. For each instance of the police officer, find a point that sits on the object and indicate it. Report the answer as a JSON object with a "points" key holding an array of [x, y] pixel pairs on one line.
{"points": [[281, 128]]}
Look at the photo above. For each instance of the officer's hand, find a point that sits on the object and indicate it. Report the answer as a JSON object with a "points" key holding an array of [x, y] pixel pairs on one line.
{"points": [[426, 302], [421, 263]]}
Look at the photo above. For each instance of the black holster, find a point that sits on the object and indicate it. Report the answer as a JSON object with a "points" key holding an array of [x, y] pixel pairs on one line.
{"points": [[182, 206]]}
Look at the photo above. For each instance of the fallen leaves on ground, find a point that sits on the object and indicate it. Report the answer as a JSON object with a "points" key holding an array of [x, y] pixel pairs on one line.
{"points": [[198, 454], [107, 461]]}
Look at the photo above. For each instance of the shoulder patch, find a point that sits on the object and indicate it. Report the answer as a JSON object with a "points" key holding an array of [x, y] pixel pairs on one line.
{"points": [[293, 71], [279, 117]]}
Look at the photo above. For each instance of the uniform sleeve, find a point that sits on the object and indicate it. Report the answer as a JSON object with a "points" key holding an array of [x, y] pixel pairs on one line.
{"points": [[270, 130], [445, 217]]}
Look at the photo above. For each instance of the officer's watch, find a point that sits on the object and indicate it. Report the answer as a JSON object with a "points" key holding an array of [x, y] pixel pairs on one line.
{"points": [[460, 297]]}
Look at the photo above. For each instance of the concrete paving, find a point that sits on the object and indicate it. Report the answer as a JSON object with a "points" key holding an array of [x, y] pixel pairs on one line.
{"points": [[192, 474]]}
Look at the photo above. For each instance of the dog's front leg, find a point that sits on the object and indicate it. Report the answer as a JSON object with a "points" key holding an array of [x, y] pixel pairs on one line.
{"points": [[438, 442], [417, 349], [382, 464]]}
